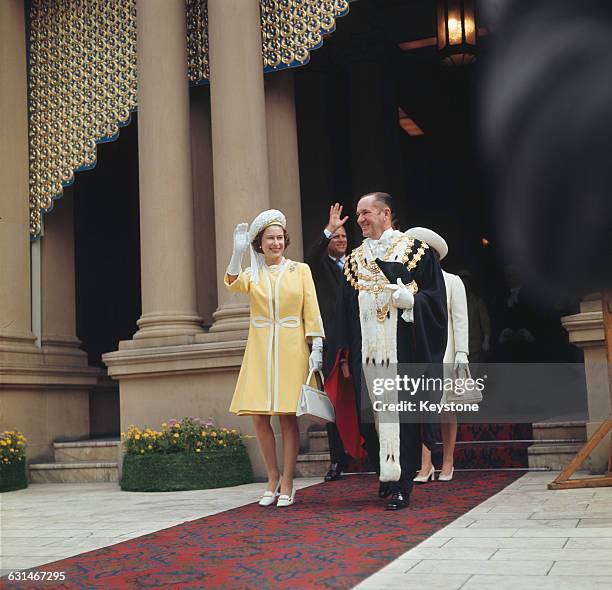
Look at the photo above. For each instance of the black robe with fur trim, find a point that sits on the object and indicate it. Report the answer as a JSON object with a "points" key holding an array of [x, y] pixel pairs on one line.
{"points": [[423, 341]]}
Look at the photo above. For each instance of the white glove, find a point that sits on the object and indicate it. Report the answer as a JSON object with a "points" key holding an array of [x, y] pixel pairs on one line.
{"points": [[241, 243], [402, 298], [315, 361], [462, 367]]}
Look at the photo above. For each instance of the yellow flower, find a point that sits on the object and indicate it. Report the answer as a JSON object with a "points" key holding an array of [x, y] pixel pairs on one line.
{"points": [[141, 451], [234, 431], [137, 437], [198, 450], [213, 434], [150, 447], [164, 424], [176, 435]]}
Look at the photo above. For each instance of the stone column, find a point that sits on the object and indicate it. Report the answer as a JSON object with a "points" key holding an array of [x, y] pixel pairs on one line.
{"points": [[283, 158], [240, 156], [203, 202], [59, 342], [164, 156], [15, 298], [586, 330]]}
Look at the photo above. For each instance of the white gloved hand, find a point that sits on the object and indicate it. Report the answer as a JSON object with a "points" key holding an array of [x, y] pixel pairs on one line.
{"points": [[462, 367], [241, 243], [401, 296], [315, 361]]}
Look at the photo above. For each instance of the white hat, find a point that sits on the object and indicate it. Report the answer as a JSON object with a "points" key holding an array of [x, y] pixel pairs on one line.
{"points": [[262, 221], [430, 237], [265, 219]]}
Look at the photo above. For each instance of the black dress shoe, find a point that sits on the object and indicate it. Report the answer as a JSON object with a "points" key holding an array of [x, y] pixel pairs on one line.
{"points": [[335, 472], [384, 489], [398, 501]]}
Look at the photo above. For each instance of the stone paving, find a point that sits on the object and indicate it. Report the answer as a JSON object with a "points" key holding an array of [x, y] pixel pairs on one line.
{"points": [[524, 537]]}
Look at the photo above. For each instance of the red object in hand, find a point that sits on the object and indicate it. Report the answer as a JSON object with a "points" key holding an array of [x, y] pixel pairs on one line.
{"points": [[340, 390]]}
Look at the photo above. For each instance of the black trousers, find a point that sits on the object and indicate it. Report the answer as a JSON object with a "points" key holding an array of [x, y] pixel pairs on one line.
{"points": [[336, 446]]}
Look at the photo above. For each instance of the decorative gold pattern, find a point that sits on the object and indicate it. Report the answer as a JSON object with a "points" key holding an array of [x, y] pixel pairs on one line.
{"points": [[197, 41], [290, 30], [82, 87], [83, 76]]}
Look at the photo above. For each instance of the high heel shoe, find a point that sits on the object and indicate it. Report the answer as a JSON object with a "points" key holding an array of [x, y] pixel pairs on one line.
{"points": [[425, 478], [444, 477], [269, 497], [285, 500]]}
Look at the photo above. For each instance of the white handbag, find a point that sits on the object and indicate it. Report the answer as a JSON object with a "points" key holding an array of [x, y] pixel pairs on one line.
{"points": [[315, 402], [468, 396]]}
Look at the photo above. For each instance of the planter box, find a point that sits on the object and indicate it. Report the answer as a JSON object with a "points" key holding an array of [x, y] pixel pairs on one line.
{"points": [[170, 472], [13, 476]]}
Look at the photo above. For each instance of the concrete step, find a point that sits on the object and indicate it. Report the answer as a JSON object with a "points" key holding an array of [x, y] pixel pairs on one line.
{"points": [[556, 456], [87, 450], [312, 464], [317, 441], [575, 431], [74, 472]]}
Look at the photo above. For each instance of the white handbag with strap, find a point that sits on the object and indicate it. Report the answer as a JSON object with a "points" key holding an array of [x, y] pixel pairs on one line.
{"points": [[313, 401]]}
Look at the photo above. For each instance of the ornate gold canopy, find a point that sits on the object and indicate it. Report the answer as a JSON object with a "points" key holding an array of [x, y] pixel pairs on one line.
{"points": [[83, 75]]}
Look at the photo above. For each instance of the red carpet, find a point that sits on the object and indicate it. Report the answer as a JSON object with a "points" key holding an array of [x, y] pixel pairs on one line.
{"points": [[336, 535]]}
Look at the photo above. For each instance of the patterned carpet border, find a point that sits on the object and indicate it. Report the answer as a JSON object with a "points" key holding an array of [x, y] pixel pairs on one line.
{"points": [[336, 535]]}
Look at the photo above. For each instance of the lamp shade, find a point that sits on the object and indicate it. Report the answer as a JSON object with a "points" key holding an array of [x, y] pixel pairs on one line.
{"points": [[457, 31]]}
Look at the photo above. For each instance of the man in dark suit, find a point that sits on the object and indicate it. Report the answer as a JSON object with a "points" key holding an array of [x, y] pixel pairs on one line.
{"points": [[326, 260]]}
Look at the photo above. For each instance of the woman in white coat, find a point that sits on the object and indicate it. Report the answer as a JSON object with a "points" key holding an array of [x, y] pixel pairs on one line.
{"points": [[455, 355]]}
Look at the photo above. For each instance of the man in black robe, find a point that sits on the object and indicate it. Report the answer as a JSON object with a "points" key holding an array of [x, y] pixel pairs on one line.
{"points": [[381, 324], [326, 260]]}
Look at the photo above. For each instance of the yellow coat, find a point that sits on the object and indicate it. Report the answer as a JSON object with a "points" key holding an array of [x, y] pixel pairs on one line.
{"points": [[283, 312]]}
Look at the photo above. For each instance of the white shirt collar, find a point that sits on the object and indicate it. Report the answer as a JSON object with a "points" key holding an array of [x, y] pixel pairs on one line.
{"points": [[378, 247]]}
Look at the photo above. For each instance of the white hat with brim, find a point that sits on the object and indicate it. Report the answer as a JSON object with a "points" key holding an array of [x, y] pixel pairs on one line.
{"points": [[430, 237], [262, 221]]}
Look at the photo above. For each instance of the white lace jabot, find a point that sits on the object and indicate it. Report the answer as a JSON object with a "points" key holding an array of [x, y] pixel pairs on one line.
{"points": [[377, 248]]}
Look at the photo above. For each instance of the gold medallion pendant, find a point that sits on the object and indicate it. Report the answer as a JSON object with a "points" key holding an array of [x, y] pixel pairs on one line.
{"points": [[383, 313]]}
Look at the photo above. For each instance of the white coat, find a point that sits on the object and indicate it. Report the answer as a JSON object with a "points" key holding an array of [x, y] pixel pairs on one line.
{"points": [[456, 302]]}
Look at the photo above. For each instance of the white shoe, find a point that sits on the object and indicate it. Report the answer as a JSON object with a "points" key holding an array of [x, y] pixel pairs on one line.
{"points": [[284, 500], [443, 477], [269, 497], [425, 478]]}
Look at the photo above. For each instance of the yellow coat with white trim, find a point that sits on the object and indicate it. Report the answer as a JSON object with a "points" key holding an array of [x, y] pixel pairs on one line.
{"points": [[284, 312]]}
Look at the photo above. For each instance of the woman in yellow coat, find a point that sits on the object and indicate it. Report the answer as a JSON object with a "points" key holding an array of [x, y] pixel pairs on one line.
{"points": [[284, 319]]}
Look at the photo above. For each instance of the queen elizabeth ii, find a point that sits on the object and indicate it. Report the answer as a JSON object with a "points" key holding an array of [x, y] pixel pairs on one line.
{"points": [[284, 320]]}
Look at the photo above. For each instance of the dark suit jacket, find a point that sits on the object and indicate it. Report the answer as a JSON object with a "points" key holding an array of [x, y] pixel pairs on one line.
{"points": [[327, 279]]}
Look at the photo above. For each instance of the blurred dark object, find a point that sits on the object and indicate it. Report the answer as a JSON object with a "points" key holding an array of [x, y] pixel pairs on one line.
{"points": [[547, 133]]}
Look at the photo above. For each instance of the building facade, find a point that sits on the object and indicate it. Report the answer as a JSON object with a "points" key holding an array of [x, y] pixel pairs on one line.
{"points": [[250, 133]]}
